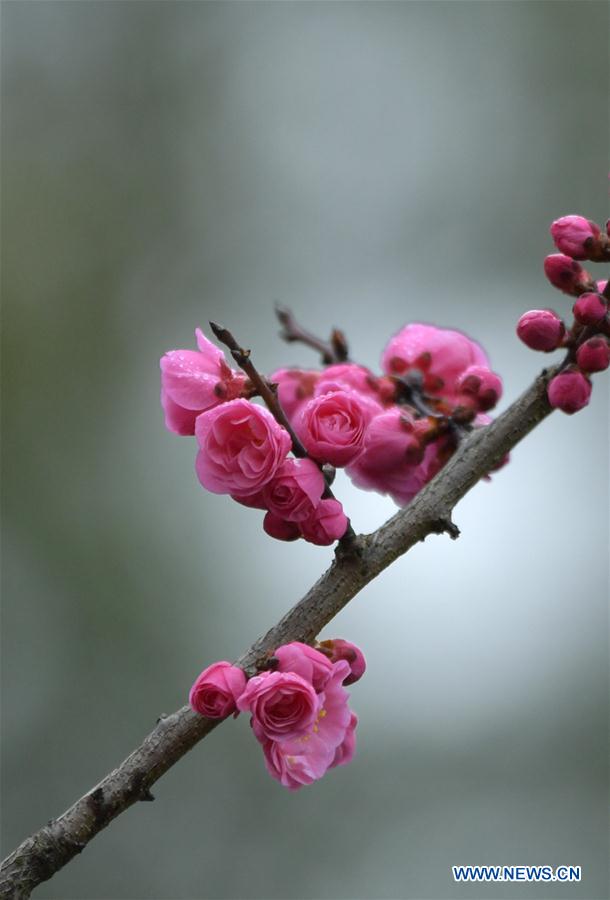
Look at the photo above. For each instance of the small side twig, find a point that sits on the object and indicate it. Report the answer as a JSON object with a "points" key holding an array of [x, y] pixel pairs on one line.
{"points": [[333, 351], [262, 386]]}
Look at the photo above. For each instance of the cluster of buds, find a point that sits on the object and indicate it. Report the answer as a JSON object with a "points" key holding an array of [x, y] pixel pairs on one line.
{"points": [[586, 340], [298, 706], [391, 432]]}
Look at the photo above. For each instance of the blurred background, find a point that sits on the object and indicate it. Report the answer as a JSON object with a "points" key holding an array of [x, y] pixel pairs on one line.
{"points": [[366, 164]]}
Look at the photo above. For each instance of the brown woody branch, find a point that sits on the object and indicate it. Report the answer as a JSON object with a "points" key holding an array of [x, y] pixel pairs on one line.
{"points": [[48, 850], [261, 385], [333, 351]]}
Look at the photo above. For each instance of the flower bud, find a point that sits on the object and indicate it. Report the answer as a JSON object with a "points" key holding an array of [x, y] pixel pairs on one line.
{"points": [[280, 529], [541, 329], [590, 309], [575, 236], [327, 524], [567, 275], [593, 355], [569, 391], [480, 386], [295, 490], [353, 655], [215, 692]]}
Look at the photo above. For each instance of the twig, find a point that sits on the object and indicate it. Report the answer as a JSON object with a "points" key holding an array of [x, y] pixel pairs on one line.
{"points": [[49, 849], [263, 388], [333, 351]]}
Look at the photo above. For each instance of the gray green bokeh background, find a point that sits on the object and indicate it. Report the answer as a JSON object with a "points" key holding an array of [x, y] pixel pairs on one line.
{"points": [[366, 164]]}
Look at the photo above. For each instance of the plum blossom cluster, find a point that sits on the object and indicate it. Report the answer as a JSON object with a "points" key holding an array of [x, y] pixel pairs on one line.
{"points": [[587, 338], [243, 450], [298, 706], [391, 432]]}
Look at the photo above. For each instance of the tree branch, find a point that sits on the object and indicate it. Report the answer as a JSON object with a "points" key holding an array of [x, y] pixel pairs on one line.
{"points": [[333, 351], [48, 850], [263, 388]]}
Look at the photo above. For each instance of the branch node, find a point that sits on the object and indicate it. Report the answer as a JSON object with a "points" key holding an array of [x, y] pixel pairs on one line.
{"points": [[140, 788], [445, 525], [333, 351], [96, 804], [351, 545]]}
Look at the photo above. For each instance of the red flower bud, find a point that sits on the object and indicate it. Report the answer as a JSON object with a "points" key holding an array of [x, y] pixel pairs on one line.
{"points": [[541, 329], [567, 275], [575, 236], [590, 309], [593, 355], [569, 391], [280, 528], [480, 386]]}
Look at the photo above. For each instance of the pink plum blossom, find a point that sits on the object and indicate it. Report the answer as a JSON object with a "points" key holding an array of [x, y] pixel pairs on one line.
{"points": [[480, 386], [310, 664], [283, 705], [294, 388], [541, 329], [241, 447], [347, 377], [393, 461], [215, 692], [193, 381], [569, 391], [332, 426], [575, 236], [345, 752], [295, 763], [295, 490], [327, 524], [441, 355], [177, 419]]}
